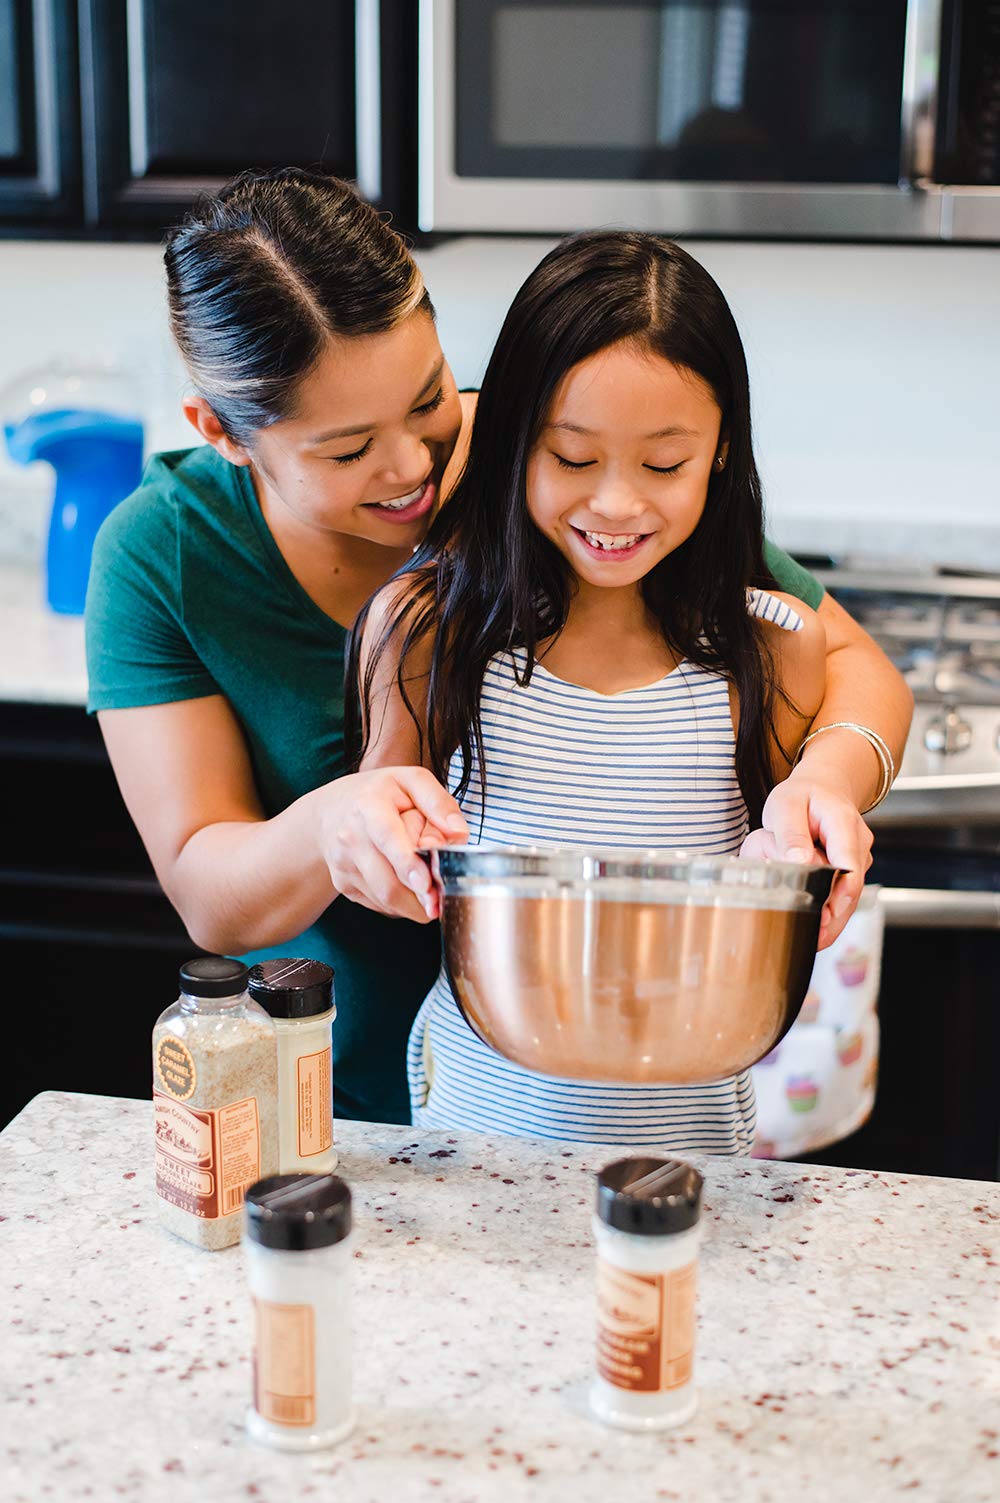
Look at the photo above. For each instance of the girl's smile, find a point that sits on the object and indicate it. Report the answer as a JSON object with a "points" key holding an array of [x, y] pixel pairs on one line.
{"points": [[614, 546]]}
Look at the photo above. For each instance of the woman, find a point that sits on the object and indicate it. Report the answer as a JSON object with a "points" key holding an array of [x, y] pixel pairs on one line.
{"points": [[222, 591]]}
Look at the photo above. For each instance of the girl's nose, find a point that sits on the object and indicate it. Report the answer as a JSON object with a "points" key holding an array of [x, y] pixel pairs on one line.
{"points": [[617, 502]]}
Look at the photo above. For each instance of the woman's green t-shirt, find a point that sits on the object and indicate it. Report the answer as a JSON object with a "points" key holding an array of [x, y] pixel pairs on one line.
{"points": [[190, 596]]}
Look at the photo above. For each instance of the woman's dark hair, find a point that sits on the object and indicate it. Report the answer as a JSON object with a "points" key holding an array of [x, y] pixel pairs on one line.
{"points": [[487, 580], [260, 276]]}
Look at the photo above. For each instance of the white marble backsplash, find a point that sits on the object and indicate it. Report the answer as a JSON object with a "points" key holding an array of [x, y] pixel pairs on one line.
{"points": [[872, 367]]}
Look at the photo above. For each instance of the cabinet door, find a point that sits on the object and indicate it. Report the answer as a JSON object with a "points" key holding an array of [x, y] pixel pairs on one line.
{"points": [[179, 95], [84, 925], [39, 130]]}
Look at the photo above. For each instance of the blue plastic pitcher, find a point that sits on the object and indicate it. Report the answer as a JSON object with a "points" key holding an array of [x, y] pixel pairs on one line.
{"points": [[97, 457]]}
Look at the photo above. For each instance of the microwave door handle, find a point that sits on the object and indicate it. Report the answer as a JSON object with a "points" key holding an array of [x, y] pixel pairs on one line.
{"points": [[921, 89], [930, 908], [368, 98]]}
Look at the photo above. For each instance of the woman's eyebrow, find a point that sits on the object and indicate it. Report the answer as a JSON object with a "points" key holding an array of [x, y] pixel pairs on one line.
{"points": [[359, 428], [673, 432], [432, 379]]}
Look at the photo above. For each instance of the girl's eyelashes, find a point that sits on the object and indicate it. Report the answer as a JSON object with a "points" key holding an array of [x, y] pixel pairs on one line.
{"points": [[569, 464], [433, 404], [352, 458]]}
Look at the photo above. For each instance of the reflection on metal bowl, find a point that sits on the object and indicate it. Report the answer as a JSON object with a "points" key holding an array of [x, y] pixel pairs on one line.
{"points": [[628, 965]]}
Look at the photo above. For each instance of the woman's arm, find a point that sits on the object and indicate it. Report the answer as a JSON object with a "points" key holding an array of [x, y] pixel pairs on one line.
{"points": [[241, 881]]}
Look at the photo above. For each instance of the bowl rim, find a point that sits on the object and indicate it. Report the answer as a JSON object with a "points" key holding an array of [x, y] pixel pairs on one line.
{"points": [[595, 864]]}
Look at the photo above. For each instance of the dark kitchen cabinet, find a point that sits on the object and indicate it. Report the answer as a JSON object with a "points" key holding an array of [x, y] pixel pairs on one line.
{"points": [[39, 113], [116, 114], [178, 96], [89, 944]]}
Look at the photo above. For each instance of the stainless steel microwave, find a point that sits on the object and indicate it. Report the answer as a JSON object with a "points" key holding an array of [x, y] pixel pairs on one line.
{"points": [[827, 118]]}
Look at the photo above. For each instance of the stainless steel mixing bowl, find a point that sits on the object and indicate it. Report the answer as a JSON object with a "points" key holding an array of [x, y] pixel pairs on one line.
{"points": [[628, 965]]}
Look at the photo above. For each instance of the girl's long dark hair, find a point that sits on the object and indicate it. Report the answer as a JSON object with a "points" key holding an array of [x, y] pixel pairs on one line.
{"points": [[487, 580]]}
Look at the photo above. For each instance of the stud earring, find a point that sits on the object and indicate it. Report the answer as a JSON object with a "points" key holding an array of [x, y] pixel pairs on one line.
{"points": [[720, 461]]}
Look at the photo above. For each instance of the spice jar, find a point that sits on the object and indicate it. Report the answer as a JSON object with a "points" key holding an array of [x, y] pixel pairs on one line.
{"points": [[215, 1101], [298, 1258], [646, 1227], [298, 994]]}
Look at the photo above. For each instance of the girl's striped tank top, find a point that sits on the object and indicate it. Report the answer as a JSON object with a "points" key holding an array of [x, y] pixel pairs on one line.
{"points": [[569, 766]]}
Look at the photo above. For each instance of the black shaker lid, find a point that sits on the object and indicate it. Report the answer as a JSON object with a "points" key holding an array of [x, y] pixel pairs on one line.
{"points": [[296, 1212], [213, 976], [649, 1196], [290, 988]]}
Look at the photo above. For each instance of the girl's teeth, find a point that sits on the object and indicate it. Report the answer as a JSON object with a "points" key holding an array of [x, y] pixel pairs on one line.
{"points": [[612, 542]]}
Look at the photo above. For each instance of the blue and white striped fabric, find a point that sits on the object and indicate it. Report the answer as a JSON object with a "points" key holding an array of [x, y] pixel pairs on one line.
{"points": [[573, 767]]}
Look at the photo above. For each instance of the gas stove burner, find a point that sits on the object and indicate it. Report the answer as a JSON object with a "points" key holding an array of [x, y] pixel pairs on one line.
{"points": [[950, 677], [948, 732], [942, 631]]}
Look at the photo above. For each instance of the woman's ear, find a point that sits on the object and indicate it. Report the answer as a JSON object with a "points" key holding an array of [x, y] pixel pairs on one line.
{"points": [[722, 453], [203, 419]]}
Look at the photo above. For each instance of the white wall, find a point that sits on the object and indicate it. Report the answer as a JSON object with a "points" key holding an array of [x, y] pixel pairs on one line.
{"points": [[874, 372]]}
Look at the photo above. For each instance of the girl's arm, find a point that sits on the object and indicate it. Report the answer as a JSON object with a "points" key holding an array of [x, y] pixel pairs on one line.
{"points": [[395, 735], [815, 804], [800, 668], [861, 686], [818, 803]]}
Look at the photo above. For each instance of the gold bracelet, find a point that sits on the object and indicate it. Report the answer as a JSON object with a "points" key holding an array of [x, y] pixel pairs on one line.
{"points": [[878, 746]]}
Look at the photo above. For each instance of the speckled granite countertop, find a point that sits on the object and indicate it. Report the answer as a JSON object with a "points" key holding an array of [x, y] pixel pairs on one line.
{"points": [[849, 1332]]}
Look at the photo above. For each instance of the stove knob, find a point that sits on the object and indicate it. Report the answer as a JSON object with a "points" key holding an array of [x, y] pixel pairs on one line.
{"points": [[948, 733]]}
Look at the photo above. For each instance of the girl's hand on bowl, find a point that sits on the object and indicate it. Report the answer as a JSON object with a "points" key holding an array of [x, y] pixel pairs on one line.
{"points": [[807, 820]]}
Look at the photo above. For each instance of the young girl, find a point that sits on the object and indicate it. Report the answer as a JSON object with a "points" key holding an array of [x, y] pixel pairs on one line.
{"points": [[580, 648]]}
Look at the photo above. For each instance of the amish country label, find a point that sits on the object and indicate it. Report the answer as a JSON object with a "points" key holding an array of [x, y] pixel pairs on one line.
{"points": [[645, 1327]]}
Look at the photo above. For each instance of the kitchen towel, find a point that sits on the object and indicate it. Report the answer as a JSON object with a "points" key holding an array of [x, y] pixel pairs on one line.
{"points": [[818, 1085]]}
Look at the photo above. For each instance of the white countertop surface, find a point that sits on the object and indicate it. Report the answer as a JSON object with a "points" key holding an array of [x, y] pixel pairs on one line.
{"points": [[42, 658], [849, 1331]]}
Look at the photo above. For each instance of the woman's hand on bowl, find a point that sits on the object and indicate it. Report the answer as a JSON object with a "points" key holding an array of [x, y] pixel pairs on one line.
{"points": [[807, 820], [372, 825]]}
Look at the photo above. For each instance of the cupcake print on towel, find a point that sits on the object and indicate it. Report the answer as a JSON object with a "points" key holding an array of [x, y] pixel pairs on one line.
{"points": [[818, 1085], [852, 966], [802, 1093], [810, 1008], [850, 1047]]}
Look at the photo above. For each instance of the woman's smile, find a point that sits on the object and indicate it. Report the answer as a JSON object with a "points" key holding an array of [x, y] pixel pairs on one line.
{"points": [[367, 444], [409, 508]]}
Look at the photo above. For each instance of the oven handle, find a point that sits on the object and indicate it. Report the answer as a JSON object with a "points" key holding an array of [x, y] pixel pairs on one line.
{"points": [[932, 908]]}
